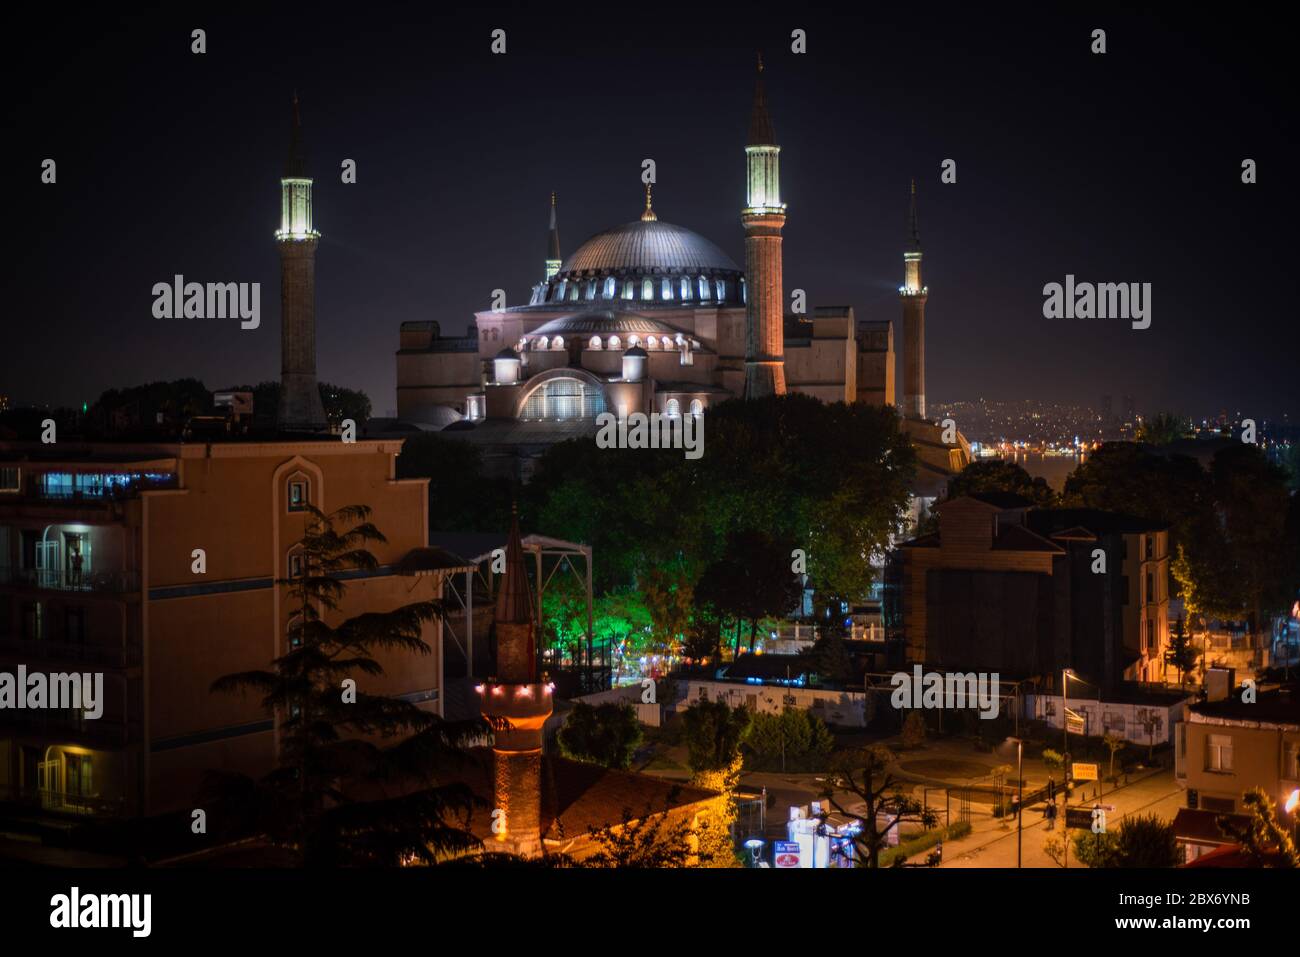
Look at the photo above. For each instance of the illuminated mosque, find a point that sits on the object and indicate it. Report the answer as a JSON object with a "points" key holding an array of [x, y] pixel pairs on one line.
{"points": [[652, 317]]}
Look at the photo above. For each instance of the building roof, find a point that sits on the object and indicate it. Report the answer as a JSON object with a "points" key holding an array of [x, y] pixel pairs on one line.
{"points": [[765, 667], [1270, 709], [1198, 826], [592, 322], [647, 246], [997, 500]]}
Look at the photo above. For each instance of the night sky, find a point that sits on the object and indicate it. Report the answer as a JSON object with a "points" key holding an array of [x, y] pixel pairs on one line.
{"points": [[1124, 167]]}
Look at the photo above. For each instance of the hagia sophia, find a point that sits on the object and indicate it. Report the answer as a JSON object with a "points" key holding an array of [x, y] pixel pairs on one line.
{"points": [[649, 316]]}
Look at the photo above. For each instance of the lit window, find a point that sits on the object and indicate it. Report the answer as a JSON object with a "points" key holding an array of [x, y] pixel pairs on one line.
{"points": [[573, 293], [594, 343], [627, 289], [633, 341], [591, 290], [744, 292], [543, 343], [298, 493], [563, 399], [614, 343], [704, 288], [686, 287], [666, 289], [295, 564], [10, 479], [672, 409], [647, 289], [557, 342], [697, 407], [559, 291], [722, 290], [611, 286], [651, 342], [668, 343]]}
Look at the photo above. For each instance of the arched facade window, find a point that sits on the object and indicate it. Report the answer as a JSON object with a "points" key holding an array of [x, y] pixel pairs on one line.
{"points": [[651, 342], [557, 342], [647, 289], [686, 288], [628, 289], [611, 287], [633, 341], [721, 287], [704, 288], [672, 408], [594, 343], [559, 291], [563, 399], [614, 343], [573, 292], [666, 289], [591, 290], [697, 407], [744, 292], [668, 343], [542, 343]]}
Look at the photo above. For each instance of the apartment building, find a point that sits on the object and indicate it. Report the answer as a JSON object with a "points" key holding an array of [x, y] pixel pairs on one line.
{"points": [[162, 566]]}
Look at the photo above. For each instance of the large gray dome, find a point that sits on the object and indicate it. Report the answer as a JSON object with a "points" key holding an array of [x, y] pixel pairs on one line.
{"points": [[647, 247]]}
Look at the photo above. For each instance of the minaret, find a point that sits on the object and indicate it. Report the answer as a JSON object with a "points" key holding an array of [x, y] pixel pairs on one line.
{"points": [[913, 295], [763, 216], [300, 405], [516, 696], [553, 260]]}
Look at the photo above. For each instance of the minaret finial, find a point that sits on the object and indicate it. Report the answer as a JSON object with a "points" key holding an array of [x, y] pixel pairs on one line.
{"points": [[649, 215], [760, 61]]}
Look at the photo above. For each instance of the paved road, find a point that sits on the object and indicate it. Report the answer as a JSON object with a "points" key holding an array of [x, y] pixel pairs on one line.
{"points": [[990, 846]]}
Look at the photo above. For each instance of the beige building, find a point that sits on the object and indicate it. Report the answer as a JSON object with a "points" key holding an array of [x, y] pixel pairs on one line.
{"points": [[137, 604]]}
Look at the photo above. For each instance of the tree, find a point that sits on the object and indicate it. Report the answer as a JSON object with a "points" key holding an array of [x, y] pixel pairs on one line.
{"points": [[1114, 744], [913, 729], [829, 659], [1162, 429], [714, 732], [605, 734], [1262, 836], [999, 475], [794, 740], [999, 775], [310, 803], [1053, 761], [865, 775], [1181, 654], [1140, 841], [752, 581]]}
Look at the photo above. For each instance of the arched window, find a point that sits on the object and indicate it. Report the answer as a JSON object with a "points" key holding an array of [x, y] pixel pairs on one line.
{"points": [[666, 289], [614, 343], [542, 343], [668, 343], [557, 342], [647, 289], [627, 289], [591, 290], [721, 287], [573, 292], [744, 292], [672, 409], [697, 407], [594, 343], [686, 287], [704, 288], [563, 399], [611, 286], [633, 341], [559, 291], [651, 342]]}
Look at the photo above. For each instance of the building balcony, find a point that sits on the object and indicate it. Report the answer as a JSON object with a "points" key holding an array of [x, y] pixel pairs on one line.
{"points": [[33, 652], [110, 582], [64, 802]]}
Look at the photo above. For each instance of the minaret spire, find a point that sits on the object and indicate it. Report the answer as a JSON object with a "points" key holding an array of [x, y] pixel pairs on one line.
{"points": [[300, 408], [553, 258], [763, 218], [913, 294], [649, 215]]}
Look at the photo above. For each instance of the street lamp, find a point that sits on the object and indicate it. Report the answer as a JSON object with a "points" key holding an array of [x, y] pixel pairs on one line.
{"points": [[1020, 794]]}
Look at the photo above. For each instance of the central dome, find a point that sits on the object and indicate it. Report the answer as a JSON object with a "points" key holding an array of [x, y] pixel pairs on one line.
{"points": [[647, 246]]}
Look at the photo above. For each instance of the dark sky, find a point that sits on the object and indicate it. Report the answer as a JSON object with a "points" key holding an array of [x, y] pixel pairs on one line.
{"points": [[1116, 168]]}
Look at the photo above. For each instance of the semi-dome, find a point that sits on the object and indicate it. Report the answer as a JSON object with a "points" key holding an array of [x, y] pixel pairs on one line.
{"points": [[647, 246]]}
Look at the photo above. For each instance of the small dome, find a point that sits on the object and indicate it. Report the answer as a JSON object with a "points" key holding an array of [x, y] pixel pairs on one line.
{"points": [[508, 353]]}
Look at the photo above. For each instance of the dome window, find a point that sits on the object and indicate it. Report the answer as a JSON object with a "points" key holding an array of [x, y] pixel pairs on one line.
{"points": [[559, 291], [666, 289], [704, 289], [744, 293], [614, 343], [594, 343], [591, 290], [573, 292], [651, 342], [611, 286], [668, 343], [722, 290], [542, 343], [627, 289], [697, 407], [686, 288], [557, 342], [633, 341], [647, 289]]}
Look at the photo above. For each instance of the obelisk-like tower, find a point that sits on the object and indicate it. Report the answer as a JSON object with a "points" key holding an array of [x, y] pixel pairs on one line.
{"points": [[517, 697], [553, 258], [913, 294], [300, 408], [763, 216]]}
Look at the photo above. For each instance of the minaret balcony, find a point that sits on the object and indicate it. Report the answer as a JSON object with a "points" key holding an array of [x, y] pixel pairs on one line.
{"points": [[905, 291], [523, 705]]}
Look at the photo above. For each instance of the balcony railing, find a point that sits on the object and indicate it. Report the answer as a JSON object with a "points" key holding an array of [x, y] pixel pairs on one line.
{"points": [[63, 802], [57, 579], [113, 656]]}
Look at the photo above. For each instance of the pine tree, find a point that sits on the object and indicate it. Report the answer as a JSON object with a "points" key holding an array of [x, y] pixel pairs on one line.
{"points": [[338, 742], [1181, 654]]}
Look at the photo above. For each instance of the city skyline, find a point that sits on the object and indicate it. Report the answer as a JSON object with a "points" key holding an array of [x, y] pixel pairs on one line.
{"points": [[428, 231]]}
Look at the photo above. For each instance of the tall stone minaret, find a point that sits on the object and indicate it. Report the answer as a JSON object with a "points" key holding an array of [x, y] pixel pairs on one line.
{"points": [[763, 216], [553, 260], [516, 696], [913, 294], [300, 405]]}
